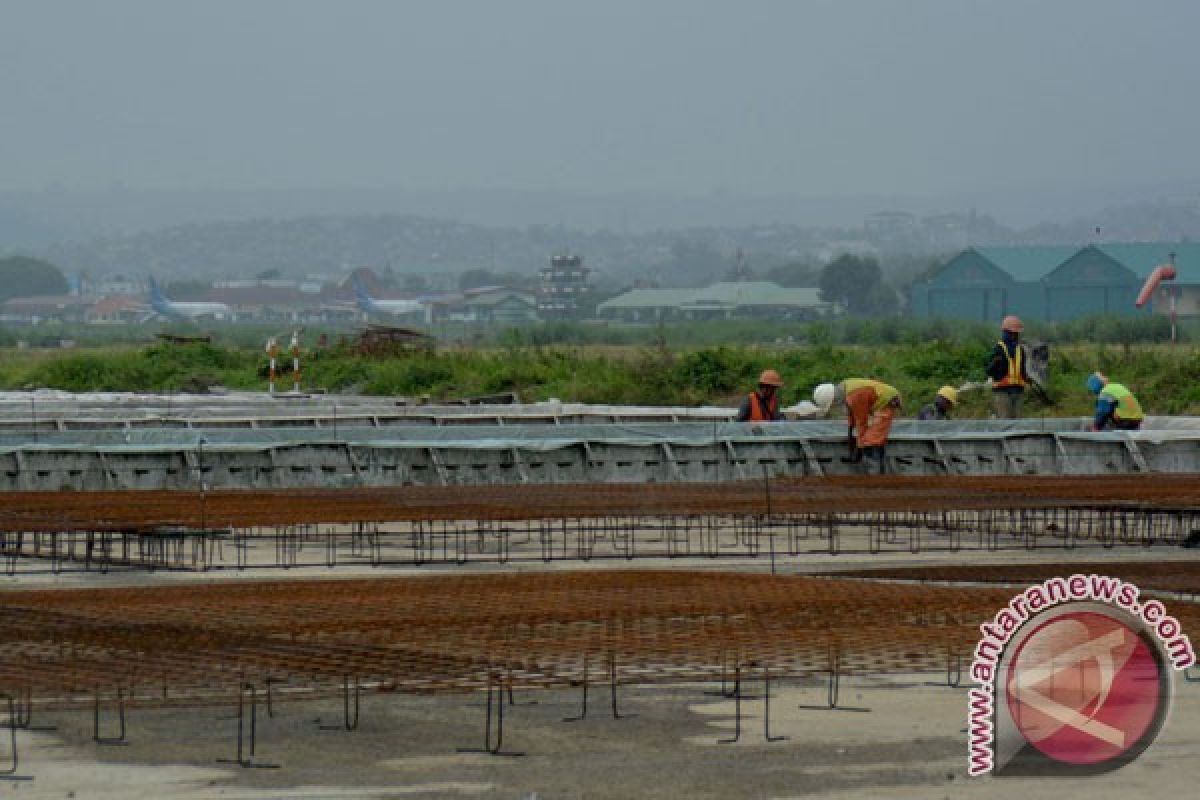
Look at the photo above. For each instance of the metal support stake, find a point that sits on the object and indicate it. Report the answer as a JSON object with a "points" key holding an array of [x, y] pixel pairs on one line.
{"points": [[242, 760], [767, 707], [270, 706], [24, 717], [954, 671], [612, 673], [835, 677], [496, 687], [347, 723], [11, 771], [737, 706], [120, 738], [583, 710]]}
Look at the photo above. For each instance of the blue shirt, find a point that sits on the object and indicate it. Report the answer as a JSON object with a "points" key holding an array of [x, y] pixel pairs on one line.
{"points": [[1106, 406]]}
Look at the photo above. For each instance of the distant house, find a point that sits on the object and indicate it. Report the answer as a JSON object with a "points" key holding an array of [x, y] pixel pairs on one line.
{"points": [[117, 310], [746, 299], [45, 308], [500, 304], [1048, 284], [490, 304], [259, 300]]}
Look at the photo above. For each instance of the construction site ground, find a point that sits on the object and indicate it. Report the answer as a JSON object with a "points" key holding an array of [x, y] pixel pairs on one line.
{"points": [[909, 743]]}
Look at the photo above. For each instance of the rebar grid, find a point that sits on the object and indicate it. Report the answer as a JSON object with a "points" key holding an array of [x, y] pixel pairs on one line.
{"points": [[120, 510], [778, 538], [58, 531], [1178, 577], [195, 644]]}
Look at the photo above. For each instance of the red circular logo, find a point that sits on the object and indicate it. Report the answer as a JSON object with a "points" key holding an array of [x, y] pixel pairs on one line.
{"points": [[1084, 688]]}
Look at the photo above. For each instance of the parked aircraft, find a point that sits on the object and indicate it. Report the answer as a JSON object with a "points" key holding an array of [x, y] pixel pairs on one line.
{"points": [[370, 305], [180, 310]]}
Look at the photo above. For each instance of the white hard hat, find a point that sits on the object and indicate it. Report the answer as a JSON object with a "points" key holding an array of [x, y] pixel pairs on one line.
{"points": [[824, 396]]}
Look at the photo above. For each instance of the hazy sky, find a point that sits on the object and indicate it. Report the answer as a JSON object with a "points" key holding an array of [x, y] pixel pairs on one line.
{"points": [[610, 95]]}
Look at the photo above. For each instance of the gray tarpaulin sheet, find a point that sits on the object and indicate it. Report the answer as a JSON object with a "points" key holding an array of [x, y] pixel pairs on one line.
{"points": [[543, 438]]}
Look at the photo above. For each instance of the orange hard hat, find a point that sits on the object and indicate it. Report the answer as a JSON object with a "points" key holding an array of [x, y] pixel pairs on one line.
{"points": [[1012, 323], [770, 378]]}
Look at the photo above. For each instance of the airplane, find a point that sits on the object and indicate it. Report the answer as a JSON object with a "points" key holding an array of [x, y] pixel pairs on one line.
{"points": [[174, 310], [370, 305]]}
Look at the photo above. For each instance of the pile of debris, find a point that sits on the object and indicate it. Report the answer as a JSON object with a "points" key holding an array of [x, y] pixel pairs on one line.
{"points": [[382, 341]]}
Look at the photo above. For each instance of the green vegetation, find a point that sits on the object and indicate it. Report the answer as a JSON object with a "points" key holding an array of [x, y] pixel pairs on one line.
{"points": [[857, 285], [1166, 379], [21, 276]]}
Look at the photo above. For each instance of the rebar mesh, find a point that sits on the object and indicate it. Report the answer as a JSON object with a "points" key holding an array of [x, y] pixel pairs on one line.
{"points": [[199, 643]]}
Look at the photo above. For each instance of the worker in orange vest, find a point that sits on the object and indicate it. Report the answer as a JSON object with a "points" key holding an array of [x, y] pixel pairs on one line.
{"points": [[1007, 367], [871, 407], [762, 405]]}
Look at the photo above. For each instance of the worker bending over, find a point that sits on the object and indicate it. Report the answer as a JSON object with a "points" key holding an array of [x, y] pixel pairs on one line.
{"points": [[945, 400], [1007, 369], [871, 407], [762, 405], [1116, 407]]}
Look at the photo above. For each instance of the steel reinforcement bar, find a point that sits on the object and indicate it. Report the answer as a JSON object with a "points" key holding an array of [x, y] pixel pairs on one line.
{"points": [[115, 510], [200, 643], [771, 519]]}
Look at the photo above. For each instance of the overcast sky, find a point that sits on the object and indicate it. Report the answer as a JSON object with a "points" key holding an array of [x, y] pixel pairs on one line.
{"points": [[795, 96]]}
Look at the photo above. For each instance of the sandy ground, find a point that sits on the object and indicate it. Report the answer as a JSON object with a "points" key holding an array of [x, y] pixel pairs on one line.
{"points": [[909, 744]]}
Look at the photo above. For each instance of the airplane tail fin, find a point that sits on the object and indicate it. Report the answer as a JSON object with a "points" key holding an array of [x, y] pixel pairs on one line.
{"points": [[156, 295], [365, 302]]}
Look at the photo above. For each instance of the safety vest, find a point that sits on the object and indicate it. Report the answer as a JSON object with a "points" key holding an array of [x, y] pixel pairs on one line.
{"points": [[1128, 408], [1013, 377], [758, 413], [883, 392]]}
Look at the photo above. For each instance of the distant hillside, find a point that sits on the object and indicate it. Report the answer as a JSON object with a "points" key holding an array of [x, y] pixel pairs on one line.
{"points": [[409, 244], [315, 245]]}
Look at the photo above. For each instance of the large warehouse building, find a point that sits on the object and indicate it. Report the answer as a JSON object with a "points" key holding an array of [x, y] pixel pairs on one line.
{"points": [[1048, 284]]}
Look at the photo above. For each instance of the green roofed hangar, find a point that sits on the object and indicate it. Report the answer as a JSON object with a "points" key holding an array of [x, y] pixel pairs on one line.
{"points": [[1045, 283], [738, 299]]}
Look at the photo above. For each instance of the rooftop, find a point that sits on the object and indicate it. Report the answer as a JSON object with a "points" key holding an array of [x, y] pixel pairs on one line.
{"points": [[719, 295]]}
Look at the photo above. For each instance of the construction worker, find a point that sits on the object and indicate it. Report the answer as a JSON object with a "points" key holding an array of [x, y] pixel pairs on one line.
{"points": [[762, 405], [943, 402], [1116, 407], [1007, 369], [871, 407]]}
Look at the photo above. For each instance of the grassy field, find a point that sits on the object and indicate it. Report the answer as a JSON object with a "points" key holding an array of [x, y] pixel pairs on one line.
{"points": [[1166, 379]]}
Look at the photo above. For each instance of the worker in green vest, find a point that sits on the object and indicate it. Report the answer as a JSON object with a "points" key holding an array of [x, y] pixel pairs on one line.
{"points": [[1116, 407]]}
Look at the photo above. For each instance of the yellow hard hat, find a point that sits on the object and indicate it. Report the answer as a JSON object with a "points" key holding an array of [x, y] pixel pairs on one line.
{"points": [[770, 378], [950, 393]]}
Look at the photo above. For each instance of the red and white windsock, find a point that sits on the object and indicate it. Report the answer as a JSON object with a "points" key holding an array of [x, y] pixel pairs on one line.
{"points": [[295, 361], [273, 353], [1163, 272]]}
